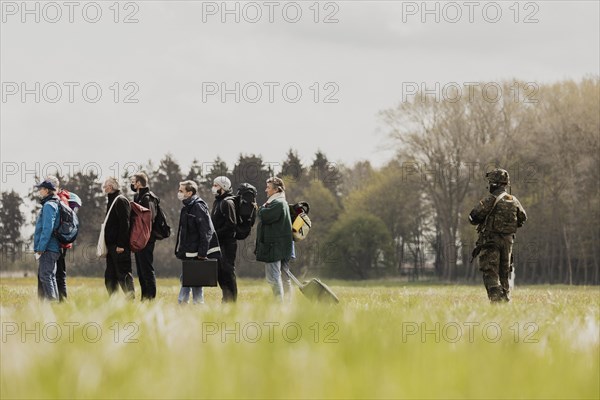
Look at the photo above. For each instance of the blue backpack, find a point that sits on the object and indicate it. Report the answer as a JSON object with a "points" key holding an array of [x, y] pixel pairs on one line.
{"points": [[68, 228]]}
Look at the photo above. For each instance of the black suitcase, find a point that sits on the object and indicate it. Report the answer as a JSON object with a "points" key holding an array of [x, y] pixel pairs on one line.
{"points": [[199, 273]]}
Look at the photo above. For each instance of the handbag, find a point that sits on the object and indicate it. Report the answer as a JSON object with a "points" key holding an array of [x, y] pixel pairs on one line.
{"points": [[101, 249]]}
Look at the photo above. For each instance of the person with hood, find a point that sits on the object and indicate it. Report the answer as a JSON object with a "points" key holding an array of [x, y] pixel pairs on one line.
{"points": [[45, 244], [224, 219], [196, 236], [74, 202], [274, 240]]}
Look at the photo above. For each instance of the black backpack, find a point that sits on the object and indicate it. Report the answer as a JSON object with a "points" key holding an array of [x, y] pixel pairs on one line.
{"points": [[68, 227], [160, 227], [245, 209]]}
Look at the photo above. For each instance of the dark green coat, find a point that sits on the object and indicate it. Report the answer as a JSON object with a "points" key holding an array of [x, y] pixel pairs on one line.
{"points": [[274, 232]]}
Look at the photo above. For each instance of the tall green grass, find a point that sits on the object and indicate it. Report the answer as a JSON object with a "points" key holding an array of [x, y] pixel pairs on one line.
{"points": [[379, 342]]}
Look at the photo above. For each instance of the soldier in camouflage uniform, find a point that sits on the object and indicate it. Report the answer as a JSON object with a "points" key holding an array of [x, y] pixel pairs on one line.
{"points": [[497, 217]]}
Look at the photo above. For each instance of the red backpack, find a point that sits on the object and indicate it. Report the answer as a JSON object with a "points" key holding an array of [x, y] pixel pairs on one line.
{"points": [[141, 227]]}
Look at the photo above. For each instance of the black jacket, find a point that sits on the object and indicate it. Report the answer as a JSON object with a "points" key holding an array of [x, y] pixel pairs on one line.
{"points": [[196, 233], [224, 217], [147, 199], [116, 230]]}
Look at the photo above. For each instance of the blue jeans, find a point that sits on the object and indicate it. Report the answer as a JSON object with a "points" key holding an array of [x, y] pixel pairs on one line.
{"points": [[281, 284], [47, 286], [184, 294]]}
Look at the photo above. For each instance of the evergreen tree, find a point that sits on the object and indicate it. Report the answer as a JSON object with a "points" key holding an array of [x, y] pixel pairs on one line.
{"points": [[11, 221]]}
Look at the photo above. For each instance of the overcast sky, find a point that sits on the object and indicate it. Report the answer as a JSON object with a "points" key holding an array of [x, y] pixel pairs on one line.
{"points": [[178, 54]]}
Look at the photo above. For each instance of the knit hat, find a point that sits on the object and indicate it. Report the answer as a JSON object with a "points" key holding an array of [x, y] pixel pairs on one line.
{"points": [[224, 182]]}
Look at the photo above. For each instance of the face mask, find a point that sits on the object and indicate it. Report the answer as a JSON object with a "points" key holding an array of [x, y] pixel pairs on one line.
{"points": [[492, 187], [215, 191], [133, 189], [180, 196]]}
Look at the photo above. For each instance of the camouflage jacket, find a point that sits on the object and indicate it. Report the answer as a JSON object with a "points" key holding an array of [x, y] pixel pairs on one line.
{"points": [[504, 219]]}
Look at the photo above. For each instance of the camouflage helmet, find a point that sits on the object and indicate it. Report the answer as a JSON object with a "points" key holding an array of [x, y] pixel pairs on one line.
{"points": [[498, 176]]}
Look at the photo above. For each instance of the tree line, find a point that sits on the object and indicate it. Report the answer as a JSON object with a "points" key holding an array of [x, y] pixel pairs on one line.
{"points": [[407, 218]]}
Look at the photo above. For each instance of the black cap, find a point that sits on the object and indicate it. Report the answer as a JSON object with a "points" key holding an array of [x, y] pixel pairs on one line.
{"points": [[46, 184]]}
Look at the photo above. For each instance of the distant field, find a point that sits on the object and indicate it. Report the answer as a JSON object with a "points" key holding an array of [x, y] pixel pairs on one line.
{"points": [[381, 341]]}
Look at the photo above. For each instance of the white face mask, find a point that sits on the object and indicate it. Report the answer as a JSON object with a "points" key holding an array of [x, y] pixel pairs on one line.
{"points": [[215, 190], [180, 196]]}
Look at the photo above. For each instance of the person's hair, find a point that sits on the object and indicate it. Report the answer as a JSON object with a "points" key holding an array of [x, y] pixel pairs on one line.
{"points": [[189, 186], [142, 178], [54, 181], [277, 183], [112, 181]]}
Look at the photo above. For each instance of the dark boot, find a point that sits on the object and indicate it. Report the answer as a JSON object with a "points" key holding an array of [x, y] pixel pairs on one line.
{"points": [[496, 294]]}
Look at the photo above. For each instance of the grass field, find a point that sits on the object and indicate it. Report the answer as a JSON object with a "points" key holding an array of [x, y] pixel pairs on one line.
{"points": [[383, 340]]}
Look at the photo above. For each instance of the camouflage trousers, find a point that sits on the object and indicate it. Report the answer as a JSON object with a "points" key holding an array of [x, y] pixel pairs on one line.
{"points": [[495, 261]]}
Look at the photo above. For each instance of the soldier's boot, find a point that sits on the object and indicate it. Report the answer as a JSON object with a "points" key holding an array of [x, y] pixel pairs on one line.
{"points": [[496, 294], [492, 285], [505, 292], [505, 283]]}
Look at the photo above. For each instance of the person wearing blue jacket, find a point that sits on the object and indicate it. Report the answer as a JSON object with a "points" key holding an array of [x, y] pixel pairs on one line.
{"points": [[45, 244]]}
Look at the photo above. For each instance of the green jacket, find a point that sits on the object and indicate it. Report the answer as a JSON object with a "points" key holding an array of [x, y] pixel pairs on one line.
{"points": [[274, 232]]}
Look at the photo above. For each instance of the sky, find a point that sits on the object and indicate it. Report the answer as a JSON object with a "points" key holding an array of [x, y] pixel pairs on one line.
{"points": [[103, 85]]}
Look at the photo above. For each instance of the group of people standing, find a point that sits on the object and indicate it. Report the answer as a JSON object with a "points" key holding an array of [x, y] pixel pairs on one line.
{"points": [[202, 233]]}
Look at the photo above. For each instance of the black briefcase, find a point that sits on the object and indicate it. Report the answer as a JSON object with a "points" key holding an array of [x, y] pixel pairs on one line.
{"points": [[199, 273]]}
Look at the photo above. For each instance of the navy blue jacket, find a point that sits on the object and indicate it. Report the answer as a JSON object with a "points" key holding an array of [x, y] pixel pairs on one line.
{"points": [[196, 233]]}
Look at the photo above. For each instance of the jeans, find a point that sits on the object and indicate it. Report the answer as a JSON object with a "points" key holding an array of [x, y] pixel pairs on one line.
{"points": [[47, 287], [118, 272], [61, 275], [281, 284], [226, 277], [145, 271], [184, 293]]}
